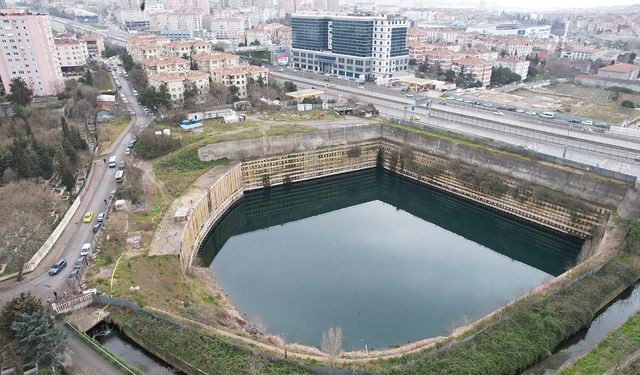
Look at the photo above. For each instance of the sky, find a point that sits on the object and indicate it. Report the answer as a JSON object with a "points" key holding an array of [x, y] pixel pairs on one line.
{"points": [[541, 4]]}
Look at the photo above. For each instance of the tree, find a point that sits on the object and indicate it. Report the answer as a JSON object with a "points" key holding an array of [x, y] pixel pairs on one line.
{"points": [[127, 60], [331, 344], [503, 76], [290, 86], [256, 42], [424, 67], [413, 62], [190, 95], [632, 57], [219, 94], [532, 71], [450, 76], [138, 78], [628, 104], [24, 304], [21, 94], [35, 338], [87, 78], [233, 91]]}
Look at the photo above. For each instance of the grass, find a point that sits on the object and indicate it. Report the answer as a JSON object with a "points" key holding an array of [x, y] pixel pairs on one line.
{"points": [[109, 132], [611, 351], [181, 168], [524, 333], [289, 129], [212, 355], [293, 116]]}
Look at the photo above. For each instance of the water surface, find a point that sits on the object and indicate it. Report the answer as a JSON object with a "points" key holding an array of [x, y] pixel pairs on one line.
{"points": [[385, 258]]}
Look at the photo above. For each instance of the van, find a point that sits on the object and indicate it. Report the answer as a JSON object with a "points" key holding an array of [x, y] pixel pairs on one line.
{"points": [[119, 176], [547, 114], [113, 162]]}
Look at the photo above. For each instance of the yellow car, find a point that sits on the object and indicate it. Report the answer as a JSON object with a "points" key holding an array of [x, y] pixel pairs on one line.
{"points": [[88, 217]]}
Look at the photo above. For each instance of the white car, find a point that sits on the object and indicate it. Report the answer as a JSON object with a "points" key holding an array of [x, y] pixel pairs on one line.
{"points": [[587, 122], [531, 113], [86, 250], [498, 113], [519, 110]]}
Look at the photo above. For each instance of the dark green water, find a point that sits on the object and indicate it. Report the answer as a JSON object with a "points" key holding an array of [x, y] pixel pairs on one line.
{"points": [[383, 257]]}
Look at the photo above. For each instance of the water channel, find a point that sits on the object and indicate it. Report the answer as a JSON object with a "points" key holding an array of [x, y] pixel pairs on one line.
{"points": [[383, 257]]}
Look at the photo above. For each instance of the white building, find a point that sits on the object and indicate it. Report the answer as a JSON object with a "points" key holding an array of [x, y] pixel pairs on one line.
{"points": [[520, 67], [188, 21], [540, 31], [226, 28], [72, 53], [29, 52], [239, 76]]}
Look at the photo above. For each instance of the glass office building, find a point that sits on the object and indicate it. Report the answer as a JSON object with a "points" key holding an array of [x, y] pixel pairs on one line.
{"points": [[353, 46]]}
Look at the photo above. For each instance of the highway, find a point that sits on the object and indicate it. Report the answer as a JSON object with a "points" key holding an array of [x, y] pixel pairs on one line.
{"points": [[595, 149]]}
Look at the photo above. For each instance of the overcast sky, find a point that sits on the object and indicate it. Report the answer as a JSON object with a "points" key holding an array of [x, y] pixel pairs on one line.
{"points": [[540, 4]]}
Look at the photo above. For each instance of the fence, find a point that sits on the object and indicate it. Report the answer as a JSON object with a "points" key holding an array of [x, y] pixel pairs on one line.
{"points": [[72, 304]]}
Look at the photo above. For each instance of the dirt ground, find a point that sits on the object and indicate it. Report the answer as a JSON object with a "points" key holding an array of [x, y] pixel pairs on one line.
{"points": [[592, 102]]}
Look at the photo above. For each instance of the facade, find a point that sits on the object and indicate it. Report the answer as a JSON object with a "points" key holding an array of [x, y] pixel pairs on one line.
{"points": [[188, 21], [589, 80], [441, 57], [226, 28], [95, 44], [578, 54], [620, 71], [177, 82], [239, 76], [209, 62], [480, 69], [29, 52], [165, 65], [187, 48], [360, 47], [520, 67], [515, 46], [72, 54], [146, 46]]}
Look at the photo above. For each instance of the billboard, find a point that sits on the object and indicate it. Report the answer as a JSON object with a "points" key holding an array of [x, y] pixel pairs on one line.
{"points": [[281, 55]]}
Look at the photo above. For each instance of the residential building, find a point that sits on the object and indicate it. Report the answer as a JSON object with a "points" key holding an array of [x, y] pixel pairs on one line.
{"points": [[72, 54], [361, 47], [132, 19], [209, 62], [177, 83], [171, 64], [29, 52], [146, 46], [95, 44], [520, 67], [620, 71], [187, 47], [480, 69], [239, 76], [440, 57], [517, 46], [226, 28], [577, 53], [189, 21], [259, 34]]}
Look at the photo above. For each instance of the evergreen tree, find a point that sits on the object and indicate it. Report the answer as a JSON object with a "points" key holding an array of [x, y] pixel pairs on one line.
{"points": [[36, 339], [25, 303], [21, 94], [66, 173]]}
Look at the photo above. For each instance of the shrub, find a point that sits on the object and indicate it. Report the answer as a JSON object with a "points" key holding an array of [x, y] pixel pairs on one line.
{"points": [[150, 145], [628, 104]]}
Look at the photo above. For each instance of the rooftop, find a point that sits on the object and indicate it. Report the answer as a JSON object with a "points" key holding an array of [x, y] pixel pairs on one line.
{"points": [[472, 61], [164, 61], [620, 68], [240, 69], [215, 56], [61, 41]]}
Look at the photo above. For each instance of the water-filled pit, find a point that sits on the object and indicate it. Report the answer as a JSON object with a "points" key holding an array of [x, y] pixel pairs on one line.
{"points": [[385, 258]]}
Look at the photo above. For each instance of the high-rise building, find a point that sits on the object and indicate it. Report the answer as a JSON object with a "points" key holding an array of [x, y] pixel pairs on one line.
{"points": [[29, 52], [354, 46]]}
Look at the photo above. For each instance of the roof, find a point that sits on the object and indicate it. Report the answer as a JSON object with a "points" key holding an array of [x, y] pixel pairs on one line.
{"points": [[61, 41], [306, 93], [164, 61], [440, 53], [240, 69], [186, 43], [620, 68], [91, 37], [175, 77], [472, 61], [216, 56]]}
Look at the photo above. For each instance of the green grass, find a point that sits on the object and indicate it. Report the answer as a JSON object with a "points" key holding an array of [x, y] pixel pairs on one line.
{"points": [[289, 129], [210, 354], [525, 333], [108, 132], [181, 168], [611, 351], [293, 116]]}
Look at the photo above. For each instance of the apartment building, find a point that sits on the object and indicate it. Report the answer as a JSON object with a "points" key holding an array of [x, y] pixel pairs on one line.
{"points": [[520, 67], [226, 28], [171, 64], [146, 46], [509, 28], [177, 83], [360, 47], [515, 46], [187, 47], [440, 57], [480, 69], [187, 21], [209, 62], [95, 44], [259, 34], [29, 52], [239, 76], [578, 53], [72, 54]]}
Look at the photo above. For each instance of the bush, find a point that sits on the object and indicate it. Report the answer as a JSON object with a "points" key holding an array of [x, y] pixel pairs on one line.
{"points": [[628, 104], [151, 146]]}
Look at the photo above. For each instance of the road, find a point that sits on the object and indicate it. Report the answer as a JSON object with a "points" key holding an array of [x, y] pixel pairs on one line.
{"points": [[98, 188], [595, 149]]}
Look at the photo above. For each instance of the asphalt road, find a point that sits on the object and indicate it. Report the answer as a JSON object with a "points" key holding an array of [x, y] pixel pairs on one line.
{"points": [[98, 188]]}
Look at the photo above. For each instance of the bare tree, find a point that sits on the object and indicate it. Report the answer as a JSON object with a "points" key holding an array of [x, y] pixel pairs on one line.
{"points": [[331, 344]]}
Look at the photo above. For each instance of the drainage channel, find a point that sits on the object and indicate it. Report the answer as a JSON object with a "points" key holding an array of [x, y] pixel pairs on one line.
{"points": [[607, 319]]}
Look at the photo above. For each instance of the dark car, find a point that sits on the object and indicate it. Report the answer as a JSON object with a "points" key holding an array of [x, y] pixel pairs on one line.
{"points": [[121, 165], [78, 263], [74, 275], [97, 227], [574, 121], [57, 267]]}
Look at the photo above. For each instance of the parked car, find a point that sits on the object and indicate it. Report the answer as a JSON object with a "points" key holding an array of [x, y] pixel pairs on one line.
{"points": [[531, 113], [86, 249], [74, 275], [519, 110], [587, 122], [97, 227], [121, 165], [88, 217], [488, 105], [361, 87], [78, 263], [57, 267], [101, 217], [574, 121], [499, 113], [112, 194]]}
